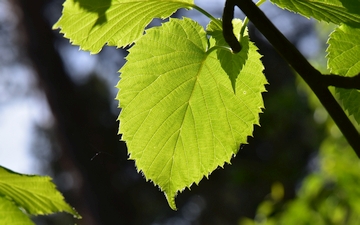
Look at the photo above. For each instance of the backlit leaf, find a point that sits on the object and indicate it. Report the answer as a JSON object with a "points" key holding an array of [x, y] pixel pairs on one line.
{"points": [[10, 214], [94, 23], [334, 11], [37, 195], [344, 59], [180, 117]]}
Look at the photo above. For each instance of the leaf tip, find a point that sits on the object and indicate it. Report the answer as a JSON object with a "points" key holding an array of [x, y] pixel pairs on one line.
{"points": [[55, 26], [233, 85], [171, 201], [75, 214]]}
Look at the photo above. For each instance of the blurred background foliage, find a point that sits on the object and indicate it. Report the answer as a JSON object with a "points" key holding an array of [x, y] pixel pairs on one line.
{"points": [[329, 194], [297, 169]]}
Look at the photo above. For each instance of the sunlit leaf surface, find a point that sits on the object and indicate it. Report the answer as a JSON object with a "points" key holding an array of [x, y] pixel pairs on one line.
{"points": [[344, 59], [93, 23], [37, 195], [334, 11], [180, 117]]}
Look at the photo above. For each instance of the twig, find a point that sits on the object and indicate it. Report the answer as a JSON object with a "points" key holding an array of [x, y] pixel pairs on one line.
{"points": [[228, 33], [342, 82], [297, 61]]}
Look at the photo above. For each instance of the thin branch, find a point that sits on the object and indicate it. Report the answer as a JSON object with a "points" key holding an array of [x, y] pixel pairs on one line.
{"points": [[298, 62], [228, 29], [341, 81]]}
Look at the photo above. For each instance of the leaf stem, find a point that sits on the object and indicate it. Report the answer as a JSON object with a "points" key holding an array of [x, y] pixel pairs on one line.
{"points": [[216, 47], [198, 8]]}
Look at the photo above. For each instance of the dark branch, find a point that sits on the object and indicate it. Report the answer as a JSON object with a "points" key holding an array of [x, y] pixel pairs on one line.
{"points": [[228, 29], [342, 82], [297, 61]]}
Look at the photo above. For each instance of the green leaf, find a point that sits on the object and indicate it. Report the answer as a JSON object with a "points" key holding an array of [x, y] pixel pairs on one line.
{"points": [[230, 62], [334, 11], [180, 117], [37, 195], [94, 23], [10, 214], [344, 59]]}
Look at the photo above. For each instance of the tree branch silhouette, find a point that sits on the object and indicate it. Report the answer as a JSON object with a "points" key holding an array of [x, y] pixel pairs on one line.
{"points": [[318, 82], [341, 81]]}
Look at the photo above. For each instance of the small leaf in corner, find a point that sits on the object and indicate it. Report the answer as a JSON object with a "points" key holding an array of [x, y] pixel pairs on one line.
{"points": [[37, 195]]}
